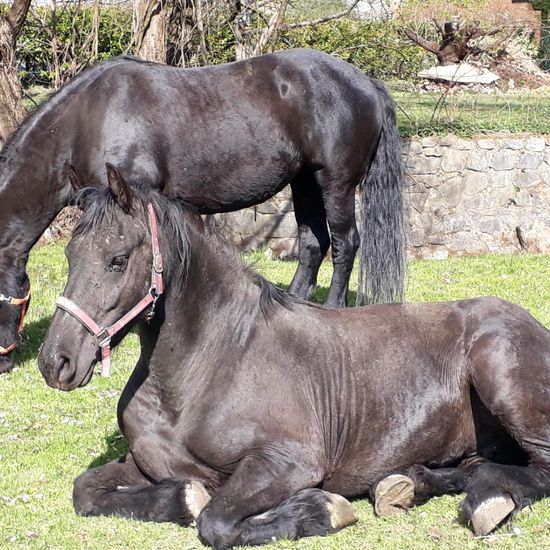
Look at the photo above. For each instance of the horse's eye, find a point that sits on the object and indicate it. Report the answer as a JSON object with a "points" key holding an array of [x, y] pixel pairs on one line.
{"points": [[118, 263]]}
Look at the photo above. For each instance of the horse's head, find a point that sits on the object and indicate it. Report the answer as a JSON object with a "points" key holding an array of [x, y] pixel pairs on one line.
{"points": [[14, 282], [14, 300], [110, 271]]}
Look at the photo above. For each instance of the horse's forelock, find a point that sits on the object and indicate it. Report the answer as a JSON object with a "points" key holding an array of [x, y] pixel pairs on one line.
{"points": [[99, 205], [95, 204]]}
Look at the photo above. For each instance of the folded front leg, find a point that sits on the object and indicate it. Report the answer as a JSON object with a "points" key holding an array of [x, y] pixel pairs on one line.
{"points": [[120, 489], [271, 497]]}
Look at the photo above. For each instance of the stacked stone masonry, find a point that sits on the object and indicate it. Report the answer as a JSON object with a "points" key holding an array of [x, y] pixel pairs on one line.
{"points": [[483, 195]]}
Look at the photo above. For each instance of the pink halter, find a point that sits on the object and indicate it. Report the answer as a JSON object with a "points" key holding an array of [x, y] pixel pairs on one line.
{"points": [[102, 336]]}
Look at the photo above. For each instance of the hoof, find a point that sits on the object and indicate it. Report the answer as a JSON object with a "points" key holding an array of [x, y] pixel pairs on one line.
{"points": [[490, 514], [6, 365], [196, 497], [341, 511], [393, 495]]}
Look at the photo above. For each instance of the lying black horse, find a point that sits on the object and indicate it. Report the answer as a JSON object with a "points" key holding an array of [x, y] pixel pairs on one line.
{"points": [[267, 402], [223, 138]]}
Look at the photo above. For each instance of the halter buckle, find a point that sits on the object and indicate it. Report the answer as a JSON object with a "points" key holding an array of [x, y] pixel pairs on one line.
{"points": [[157, 263], [151, 313], [102, 338]]}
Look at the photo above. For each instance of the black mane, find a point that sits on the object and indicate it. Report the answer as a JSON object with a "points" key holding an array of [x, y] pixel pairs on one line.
{"points": [[100, 204]]}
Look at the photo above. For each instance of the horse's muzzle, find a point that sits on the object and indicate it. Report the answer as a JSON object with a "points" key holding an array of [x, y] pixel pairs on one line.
{"points": [[63, 372]]}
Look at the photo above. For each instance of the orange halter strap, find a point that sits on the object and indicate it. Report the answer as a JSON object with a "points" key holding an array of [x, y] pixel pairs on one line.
{"points": [[24, 303]]}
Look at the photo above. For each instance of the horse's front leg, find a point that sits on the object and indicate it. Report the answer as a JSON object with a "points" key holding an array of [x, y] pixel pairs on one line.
{"points": [[270, 497], [120, 489]]}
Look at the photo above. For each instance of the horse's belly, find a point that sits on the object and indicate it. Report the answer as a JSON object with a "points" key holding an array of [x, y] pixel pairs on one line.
{"points": [[438, 441]]}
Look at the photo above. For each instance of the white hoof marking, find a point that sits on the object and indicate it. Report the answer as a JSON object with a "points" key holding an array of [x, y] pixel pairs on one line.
{"points": [[490, 513], [196, 497], [341, 511]]}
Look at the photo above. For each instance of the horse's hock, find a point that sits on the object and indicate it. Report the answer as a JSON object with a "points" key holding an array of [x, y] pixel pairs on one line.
{"points": [[487, 194]]}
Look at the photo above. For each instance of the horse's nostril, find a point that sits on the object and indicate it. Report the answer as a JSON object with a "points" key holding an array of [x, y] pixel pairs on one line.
{"points": [[65, 371]]}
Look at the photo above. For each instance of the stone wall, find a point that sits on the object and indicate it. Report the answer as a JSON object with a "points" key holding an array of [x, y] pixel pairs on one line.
{"points": [[477, 196], [490, 194]]}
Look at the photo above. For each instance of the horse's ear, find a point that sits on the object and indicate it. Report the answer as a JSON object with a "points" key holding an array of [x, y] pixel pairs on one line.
{"points": [[120, 189], [77, 182]]}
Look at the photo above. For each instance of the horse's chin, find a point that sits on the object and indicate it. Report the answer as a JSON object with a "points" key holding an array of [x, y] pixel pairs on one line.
{"points": [[76, 382], [6, 363]]}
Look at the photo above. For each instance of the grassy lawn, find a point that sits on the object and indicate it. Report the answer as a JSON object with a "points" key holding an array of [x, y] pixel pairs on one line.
{"points": [[48, 437], [466, 114]]}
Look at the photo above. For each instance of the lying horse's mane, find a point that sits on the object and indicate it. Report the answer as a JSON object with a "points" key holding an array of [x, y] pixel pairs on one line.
{"points": [[100, 204]]}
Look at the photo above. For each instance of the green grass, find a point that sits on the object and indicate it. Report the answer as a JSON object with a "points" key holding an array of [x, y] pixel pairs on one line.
{"points": [[48, 437], [467, 114]]}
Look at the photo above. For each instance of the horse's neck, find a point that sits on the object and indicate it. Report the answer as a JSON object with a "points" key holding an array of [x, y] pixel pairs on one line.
{"points": [[32, 192], [211, 319]]}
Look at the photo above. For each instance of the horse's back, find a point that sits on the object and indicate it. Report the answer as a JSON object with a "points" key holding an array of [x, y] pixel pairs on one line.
{"points": [[240, 130]]}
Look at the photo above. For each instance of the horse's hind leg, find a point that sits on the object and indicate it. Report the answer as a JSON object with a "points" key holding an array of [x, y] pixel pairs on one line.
{"points": [[120, 489], [399, 492], [313, 237], [511, 373], [339, 201], [497, 491]]}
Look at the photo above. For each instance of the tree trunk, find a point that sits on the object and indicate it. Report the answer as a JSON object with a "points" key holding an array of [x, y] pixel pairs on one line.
{"points": [[454, 46], [251, 41], [150, 23], [12, 110]]}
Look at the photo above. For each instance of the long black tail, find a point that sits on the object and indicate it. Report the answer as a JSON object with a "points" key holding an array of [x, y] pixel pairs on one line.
{"points": [[382, 251]]}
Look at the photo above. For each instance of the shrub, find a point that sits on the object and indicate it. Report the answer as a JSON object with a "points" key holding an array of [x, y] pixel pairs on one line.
{"points": [[377, 48]]}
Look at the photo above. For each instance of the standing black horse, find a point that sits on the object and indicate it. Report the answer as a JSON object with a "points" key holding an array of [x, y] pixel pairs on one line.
{"points": [[263, 402], [223, 138]]}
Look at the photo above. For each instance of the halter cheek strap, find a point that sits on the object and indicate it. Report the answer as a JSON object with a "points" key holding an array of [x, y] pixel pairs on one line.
{"points": [[102, 336], [24, 303]]}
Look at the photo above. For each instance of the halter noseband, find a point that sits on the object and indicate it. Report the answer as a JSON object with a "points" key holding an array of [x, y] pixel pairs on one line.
{"points": [[102, 336], [23, 302]]}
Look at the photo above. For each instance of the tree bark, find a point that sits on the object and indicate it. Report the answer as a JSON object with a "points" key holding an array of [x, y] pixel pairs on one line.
{"points": [[249, 41], [150, 23], [12, 110]]}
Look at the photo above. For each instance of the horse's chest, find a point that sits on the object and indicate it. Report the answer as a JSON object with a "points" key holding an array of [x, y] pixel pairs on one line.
{"points": [[152, 443], [151, 432], [159, 443]]}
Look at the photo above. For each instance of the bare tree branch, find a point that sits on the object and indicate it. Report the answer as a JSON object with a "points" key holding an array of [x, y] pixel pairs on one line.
{"points": [[438, 26], [271, 31], [320, 20], [432, 47]]}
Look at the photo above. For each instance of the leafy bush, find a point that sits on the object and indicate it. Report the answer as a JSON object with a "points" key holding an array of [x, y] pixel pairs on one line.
{"points": [[377, 48], [56, 43]]}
